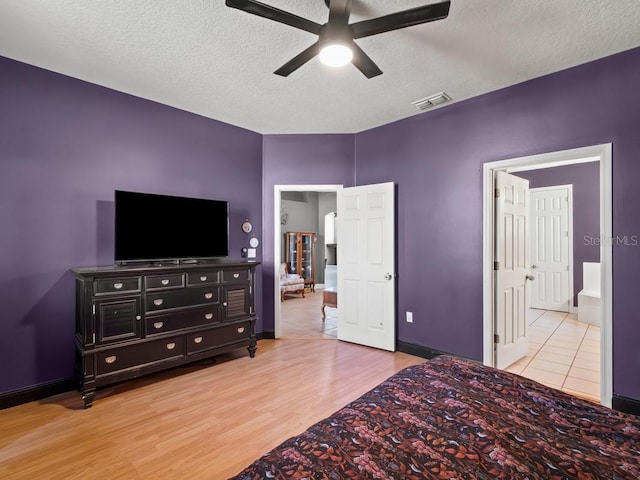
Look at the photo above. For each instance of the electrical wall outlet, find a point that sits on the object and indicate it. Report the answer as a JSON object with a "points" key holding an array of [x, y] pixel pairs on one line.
{"points": [[409, 317]]}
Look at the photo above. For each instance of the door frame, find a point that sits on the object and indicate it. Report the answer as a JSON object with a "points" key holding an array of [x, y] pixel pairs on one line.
{"points": [[602, 154], [569, 187], [277, 239]]}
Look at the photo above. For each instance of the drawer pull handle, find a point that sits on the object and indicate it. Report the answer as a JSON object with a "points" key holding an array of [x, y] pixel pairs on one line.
{"points": [[241, 329], [203, 278], [164, 281], [138, 317], [117, 286], [110, 359], [208, 295], [158, 302], [197, 340], [158, 325], [208, 316], [171, 346], [236, 275]]}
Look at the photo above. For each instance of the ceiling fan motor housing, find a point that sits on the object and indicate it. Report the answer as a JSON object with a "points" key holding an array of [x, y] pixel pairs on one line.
{"points": [[336, 33]]}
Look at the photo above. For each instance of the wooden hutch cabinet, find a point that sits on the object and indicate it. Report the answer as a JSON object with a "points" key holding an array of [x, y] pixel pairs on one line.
{"points": [[300, 255]]}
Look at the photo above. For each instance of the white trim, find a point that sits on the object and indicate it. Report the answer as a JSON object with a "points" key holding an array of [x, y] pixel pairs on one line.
{"points": [[606, 277], [602, 153], [547, 162], [277, 240], [569, 188]]}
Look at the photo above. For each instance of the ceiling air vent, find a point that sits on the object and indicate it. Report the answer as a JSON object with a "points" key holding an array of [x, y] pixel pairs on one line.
{"points": [[432, 101]]}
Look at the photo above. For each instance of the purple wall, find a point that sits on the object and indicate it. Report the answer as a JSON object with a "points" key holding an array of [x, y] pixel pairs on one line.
{"points": [[585, 178], [65, 146], [298, 160], [436, 159]]}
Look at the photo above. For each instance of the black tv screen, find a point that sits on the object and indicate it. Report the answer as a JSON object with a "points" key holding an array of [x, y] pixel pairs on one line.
{"points": [[150, 227]]}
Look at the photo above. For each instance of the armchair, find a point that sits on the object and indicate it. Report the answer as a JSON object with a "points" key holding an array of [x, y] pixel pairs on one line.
{"points": [[290, 282]]}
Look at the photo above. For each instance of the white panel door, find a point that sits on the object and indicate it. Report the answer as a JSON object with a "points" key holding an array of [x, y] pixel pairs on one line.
{"points": [[550, 248], [511, 268], [366, 265]]}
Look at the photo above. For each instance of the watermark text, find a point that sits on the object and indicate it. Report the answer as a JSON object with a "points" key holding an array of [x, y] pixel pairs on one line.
{"points": [[618, 240]]}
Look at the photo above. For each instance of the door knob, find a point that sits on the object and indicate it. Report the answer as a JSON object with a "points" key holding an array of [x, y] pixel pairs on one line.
{"points": [[388, 276], [530, 277], [534, 266]]}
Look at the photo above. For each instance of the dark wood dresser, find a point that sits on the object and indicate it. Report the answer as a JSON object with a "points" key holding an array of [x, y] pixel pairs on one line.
{"points": [[131, 321]]}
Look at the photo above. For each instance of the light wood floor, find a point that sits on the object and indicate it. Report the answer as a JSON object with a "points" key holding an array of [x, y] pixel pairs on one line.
{"points": [[302, 317], [202, 421], [198, 422], [563, 352]]}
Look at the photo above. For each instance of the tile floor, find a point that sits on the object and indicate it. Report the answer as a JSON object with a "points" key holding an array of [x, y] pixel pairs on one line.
{"points": [[563, 353]]}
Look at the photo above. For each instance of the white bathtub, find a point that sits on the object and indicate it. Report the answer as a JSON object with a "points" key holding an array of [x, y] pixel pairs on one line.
{"points": [[589, 296]]}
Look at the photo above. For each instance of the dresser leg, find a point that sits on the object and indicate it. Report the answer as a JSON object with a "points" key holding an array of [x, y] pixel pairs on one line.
{"points": [[252, 347], [87, 398]]}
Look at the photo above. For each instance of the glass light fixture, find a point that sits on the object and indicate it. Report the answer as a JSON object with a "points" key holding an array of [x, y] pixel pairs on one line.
{"points": [[336, 55]]}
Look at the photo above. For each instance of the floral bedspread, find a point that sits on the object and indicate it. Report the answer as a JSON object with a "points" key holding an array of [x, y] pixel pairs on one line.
{"points": [[451, 418]]}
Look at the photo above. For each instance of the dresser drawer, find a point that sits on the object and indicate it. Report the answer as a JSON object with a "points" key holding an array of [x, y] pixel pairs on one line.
{"points": [[139, 355], [106, 286], [236, 275], [218, 337], [185, 319], [155, 302], [202, 278], [159, 282]]}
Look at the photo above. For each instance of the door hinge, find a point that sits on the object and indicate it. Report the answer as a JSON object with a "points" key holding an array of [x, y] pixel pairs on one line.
{"points": [[496, 265], [496, 338], [497, 193]]}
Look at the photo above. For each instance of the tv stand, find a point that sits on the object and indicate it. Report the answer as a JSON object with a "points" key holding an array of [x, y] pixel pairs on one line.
{"points": [[142, 319]]}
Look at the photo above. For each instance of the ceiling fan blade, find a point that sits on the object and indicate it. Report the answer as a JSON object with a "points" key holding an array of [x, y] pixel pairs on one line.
{"points": [[275, 14], [406, 18], [299, 60], [363, 63], [339, 11]]}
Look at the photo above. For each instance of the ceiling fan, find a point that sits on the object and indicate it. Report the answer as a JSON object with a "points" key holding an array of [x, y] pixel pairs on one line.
{"points": [[335, 44]]}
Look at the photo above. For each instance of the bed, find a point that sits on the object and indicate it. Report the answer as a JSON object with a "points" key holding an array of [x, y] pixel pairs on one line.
{"points": [[451, 418]]}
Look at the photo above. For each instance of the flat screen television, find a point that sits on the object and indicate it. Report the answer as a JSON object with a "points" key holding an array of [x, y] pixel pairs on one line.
{"points": [[153, 228]]}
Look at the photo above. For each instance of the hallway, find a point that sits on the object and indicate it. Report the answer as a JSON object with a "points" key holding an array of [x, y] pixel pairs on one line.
{"points": [[301, 318]]}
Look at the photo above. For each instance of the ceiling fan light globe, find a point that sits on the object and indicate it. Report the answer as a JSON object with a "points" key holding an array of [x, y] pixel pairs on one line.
{"points": [[336, 55]]}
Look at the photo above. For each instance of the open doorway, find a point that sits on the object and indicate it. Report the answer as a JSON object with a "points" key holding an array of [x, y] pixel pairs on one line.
{"points": [[301, 243], [564, 323]]}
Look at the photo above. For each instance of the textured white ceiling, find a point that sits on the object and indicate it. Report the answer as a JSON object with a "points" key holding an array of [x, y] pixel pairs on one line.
{"points": [[206, 58]]}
